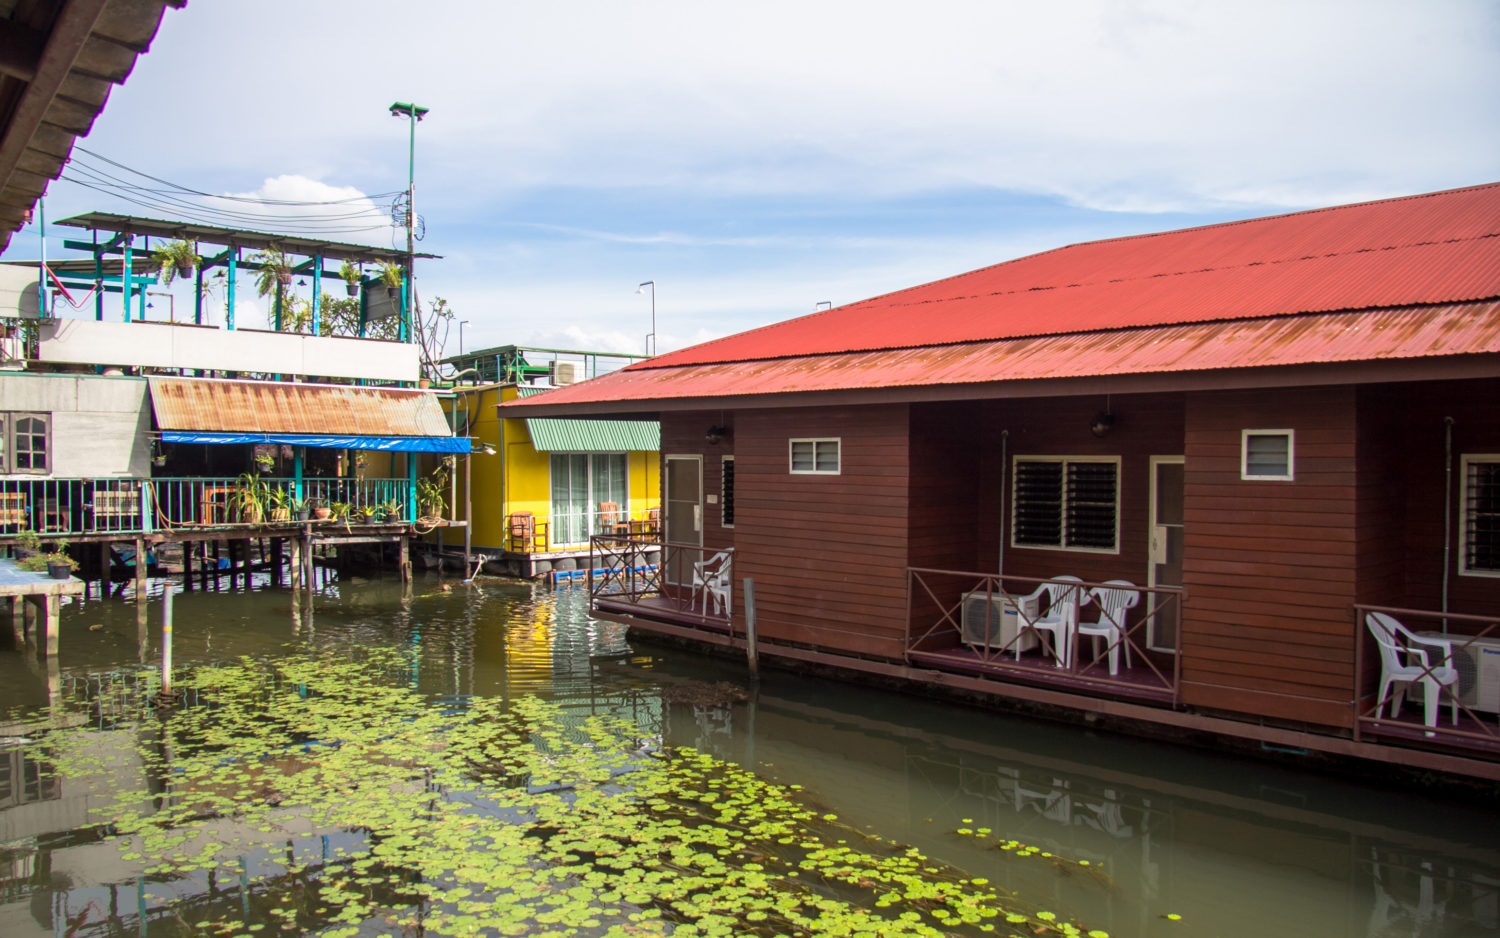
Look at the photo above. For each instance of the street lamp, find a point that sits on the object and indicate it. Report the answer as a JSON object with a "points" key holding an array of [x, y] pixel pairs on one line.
{"points": [[651, 337], [461, 324], [414, 114]]}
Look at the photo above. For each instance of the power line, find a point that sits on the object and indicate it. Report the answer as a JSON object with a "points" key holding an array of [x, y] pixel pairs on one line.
{"points": [[233, 198]]}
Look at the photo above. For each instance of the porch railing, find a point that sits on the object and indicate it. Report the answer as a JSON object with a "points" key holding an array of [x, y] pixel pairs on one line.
{"points": [[69, 507], [576, 528], [687, 580], [986, 621], [1460, 659]]}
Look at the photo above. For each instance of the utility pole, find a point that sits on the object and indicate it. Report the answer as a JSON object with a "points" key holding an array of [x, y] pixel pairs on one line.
{"points": [[414, 114]]}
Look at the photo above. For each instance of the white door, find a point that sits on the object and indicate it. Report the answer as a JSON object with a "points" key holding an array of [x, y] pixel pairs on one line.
{"points": [[683, 521], [1165, 549]]}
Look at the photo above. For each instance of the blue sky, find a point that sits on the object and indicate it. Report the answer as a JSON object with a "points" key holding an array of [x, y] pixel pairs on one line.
{"points": [[757, 159]]}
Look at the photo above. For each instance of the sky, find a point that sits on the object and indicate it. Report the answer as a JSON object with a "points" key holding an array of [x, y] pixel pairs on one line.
{"points": [[755, 160]]}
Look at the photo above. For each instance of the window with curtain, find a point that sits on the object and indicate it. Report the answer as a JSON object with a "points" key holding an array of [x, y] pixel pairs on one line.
{"points": [[581, 482]]}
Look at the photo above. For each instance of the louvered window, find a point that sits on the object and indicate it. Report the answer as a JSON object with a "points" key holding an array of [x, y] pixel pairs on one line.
{"points": [[1072, 504], [815, 457], [1481, 548], [726, 492]]}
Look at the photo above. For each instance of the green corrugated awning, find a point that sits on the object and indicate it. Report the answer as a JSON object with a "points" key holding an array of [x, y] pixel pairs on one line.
{"points": [[558, 435]]}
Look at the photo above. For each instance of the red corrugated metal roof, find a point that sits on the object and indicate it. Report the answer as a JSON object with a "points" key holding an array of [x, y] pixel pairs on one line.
{"points": [[1411, 332], [1443, 247]]}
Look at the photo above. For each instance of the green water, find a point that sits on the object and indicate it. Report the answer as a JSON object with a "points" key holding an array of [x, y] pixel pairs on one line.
{"points": [[1189, 843]]}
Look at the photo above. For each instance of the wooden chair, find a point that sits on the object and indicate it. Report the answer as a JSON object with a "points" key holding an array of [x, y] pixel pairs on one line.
{"points": [[610, 521], [13, 510], [526, 534]]}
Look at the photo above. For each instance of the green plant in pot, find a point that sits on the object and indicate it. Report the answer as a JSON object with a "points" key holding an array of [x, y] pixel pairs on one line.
{"points": [[301, 508], [431, 499], [56, 562], [27, 543], [279, 501], [175, 259], [249, 498], [275, 270], [390, 275], [390, 511], [320, 511], [352, 276]]}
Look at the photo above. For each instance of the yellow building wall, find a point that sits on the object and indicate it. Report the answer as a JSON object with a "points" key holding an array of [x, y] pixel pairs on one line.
{"points": [[518, 478]]}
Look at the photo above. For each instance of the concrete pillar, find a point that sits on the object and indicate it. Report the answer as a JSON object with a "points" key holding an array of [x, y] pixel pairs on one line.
{"points": [[140, 570], [404, 559]]}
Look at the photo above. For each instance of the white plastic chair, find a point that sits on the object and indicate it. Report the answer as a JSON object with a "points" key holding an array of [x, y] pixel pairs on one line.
{"points": [[1113, 598], [1061, 618], [713, 581], [1403, 664]]}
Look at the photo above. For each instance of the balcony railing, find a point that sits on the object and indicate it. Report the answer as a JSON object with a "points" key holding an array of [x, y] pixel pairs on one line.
{"points": [[1006, 625], [59, 508], [641, 574], [1456, 658]]}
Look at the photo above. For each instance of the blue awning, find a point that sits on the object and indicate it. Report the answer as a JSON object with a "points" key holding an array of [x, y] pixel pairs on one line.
{"points": [[386, 444]]}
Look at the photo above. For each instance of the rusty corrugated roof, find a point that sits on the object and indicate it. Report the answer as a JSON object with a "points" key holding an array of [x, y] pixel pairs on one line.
{"points": [[1443, 247], [219, 406], [1316, 338]]}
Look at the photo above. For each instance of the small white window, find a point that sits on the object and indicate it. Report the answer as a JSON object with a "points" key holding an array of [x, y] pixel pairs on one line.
{"points": [[815, 457], [1480, 553], [1266, 455]]}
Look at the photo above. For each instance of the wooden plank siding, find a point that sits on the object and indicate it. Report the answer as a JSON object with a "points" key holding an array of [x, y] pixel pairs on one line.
{"points": [[1270, 566], [828, 553], [1146, 425], [1420, 449]]}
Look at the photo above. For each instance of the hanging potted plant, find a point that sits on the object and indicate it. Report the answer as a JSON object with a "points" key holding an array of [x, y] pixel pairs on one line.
{"points": [[390, 275], [352, 276], [275, 270], [175, 259]]}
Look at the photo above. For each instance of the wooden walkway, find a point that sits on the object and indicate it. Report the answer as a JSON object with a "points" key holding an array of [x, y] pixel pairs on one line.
{"points": [[33, 601]]}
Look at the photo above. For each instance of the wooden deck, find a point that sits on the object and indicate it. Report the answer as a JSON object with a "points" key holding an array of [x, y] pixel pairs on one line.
{"points": [[1131, 683], [663, 609]]}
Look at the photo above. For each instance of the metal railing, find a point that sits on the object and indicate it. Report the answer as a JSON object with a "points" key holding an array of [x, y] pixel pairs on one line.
{"points": [[684, 579], [62, 507], [1458, 657], [580, 527], [991, 620]]}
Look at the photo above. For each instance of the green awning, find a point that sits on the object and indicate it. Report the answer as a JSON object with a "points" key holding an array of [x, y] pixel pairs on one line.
{"points": [[559, 435]]}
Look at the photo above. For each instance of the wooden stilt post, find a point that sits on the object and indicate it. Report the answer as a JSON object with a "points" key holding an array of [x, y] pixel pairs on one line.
{"points": [[216, 565], [404, 559], [187, 566], [104, 570], [276, 561]]}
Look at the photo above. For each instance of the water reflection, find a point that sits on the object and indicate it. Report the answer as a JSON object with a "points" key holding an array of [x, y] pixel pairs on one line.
{"points": [[1234, 847]]}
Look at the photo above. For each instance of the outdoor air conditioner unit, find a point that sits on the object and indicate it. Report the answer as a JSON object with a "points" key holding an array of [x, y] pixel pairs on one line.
{"points": [[564, 373], [993, 615], [1478, 668]]}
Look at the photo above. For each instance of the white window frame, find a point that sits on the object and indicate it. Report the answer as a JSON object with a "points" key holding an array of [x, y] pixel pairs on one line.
{"points": [[1015, 477], [1291, 456], [838, 454], [726, 495], [1464, 461]]}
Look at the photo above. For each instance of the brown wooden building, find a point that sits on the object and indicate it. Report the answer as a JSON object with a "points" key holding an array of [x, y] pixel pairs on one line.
{"points": [[1271, 429]]}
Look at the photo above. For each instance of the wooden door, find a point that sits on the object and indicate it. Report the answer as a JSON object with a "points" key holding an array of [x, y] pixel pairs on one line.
{"points": [[683, 518]]}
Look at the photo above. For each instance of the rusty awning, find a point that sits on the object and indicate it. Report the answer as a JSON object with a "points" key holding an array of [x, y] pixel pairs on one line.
{"points": [[205, 410]]}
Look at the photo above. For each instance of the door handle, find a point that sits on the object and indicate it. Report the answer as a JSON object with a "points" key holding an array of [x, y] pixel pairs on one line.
{"points": [[1159, 543]]}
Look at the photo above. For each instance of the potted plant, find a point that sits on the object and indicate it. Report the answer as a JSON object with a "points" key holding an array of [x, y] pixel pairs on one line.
{"points": [[320, 511], [390, 275], [352, 276], [430, 497], [339, 511], [275, 270], [249, 497], [279, 500], [56, 563], [301, 508], [390, 511], [27, 543], [175, 259], [265, 462]]}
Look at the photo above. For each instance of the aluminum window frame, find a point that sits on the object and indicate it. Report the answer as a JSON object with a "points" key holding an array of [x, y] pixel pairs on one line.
{"points": [[1291, 456], [1465, 498], [1064, 461], [816, 442]]}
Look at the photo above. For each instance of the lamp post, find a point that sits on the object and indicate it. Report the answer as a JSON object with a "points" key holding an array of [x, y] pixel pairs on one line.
{"points": [[461, 324], [414, 114], [650, 337]]}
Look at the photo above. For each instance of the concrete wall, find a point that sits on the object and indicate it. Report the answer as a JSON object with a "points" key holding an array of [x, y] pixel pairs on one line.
{"points": [[177, 345], [99, 424]]}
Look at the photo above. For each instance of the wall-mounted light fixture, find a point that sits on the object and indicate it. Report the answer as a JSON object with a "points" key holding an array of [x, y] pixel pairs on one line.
{"points": [[715, 435], [1102, 423]]}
